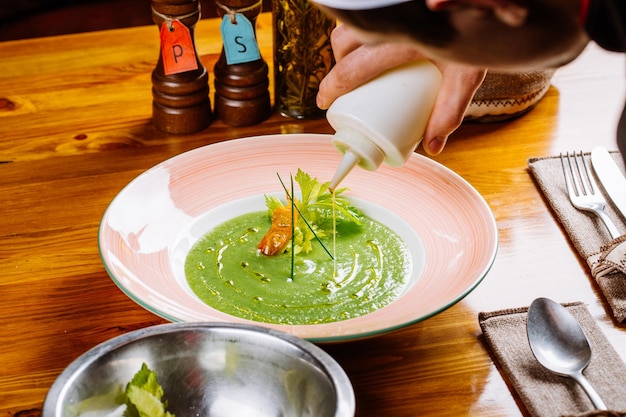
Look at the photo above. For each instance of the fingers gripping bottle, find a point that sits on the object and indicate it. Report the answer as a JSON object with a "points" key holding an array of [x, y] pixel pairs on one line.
{"points": [[384, 119]]}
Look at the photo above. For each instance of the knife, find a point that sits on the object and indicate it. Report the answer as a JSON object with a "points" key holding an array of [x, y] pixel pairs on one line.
{"points": [[611, 177]]}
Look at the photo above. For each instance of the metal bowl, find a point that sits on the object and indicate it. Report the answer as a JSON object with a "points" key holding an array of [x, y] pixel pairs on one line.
{"points": [[212, 370]]}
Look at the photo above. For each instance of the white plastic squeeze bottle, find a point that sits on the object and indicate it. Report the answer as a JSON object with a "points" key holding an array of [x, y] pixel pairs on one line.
{"points": [[384, 119]]}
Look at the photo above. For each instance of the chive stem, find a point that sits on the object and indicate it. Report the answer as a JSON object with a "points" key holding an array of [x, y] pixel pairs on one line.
{"points": [[293, 231]]}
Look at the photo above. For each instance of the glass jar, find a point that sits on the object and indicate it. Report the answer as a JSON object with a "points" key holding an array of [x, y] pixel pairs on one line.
{"points": [[302, 56]]}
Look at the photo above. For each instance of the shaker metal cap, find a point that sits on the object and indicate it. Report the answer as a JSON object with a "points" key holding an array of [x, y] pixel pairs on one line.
{"points": [[358, 4]]}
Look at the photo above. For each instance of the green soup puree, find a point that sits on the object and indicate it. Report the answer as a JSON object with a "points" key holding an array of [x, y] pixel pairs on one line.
{"points": [[372, 267]]}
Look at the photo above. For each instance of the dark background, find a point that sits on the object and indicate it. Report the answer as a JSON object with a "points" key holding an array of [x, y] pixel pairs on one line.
{"points": [[20, 19]]}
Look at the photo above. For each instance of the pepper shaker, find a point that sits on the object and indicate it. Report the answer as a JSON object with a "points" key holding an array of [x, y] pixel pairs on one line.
{"points": [[180, 83]]}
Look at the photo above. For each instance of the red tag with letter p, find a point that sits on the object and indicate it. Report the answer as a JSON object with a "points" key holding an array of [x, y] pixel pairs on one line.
{"points": [[177, 48]]}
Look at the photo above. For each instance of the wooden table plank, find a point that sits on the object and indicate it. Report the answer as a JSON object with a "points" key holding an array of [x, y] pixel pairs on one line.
{"points": [[79, 130]]}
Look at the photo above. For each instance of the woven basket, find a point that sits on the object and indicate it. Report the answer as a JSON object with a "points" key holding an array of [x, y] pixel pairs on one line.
{"points": [[504, 96]]}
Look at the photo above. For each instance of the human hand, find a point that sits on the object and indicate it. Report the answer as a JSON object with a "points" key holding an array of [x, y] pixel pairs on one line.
{"points": [[358, 63]]}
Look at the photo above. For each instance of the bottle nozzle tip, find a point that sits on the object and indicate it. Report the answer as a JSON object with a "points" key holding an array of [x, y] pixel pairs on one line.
{"points": [[348, 162]]}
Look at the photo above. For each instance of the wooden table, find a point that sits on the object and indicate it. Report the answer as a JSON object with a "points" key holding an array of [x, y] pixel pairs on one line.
{"points": [[75, 128]]}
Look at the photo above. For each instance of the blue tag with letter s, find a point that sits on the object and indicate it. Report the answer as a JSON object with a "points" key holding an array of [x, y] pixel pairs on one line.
{"points": [[240, 44]]}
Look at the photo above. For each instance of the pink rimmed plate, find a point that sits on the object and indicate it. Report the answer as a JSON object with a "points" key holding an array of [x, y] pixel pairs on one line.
{"points": [[148, 227]]}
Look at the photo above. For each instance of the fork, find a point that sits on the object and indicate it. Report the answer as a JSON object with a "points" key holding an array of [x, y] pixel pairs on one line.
{"points": [[583, 190]]}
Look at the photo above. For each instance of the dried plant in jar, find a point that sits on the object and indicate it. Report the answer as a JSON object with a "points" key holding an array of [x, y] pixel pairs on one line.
{"points": [[302, 56]]}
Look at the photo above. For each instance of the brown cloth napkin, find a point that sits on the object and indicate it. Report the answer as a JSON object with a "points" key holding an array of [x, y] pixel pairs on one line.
{"points": [[585, 230], [544, 393]]}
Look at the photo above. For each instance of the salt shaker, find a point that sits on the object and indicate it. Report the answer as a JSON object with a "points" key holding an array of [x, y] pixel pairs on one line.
{"points": [[241, 75]]}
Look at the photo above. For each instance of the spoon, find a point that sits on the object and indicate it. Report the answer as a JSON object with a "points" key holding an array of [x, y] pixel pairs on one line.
{"points": [[559, 344]]}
